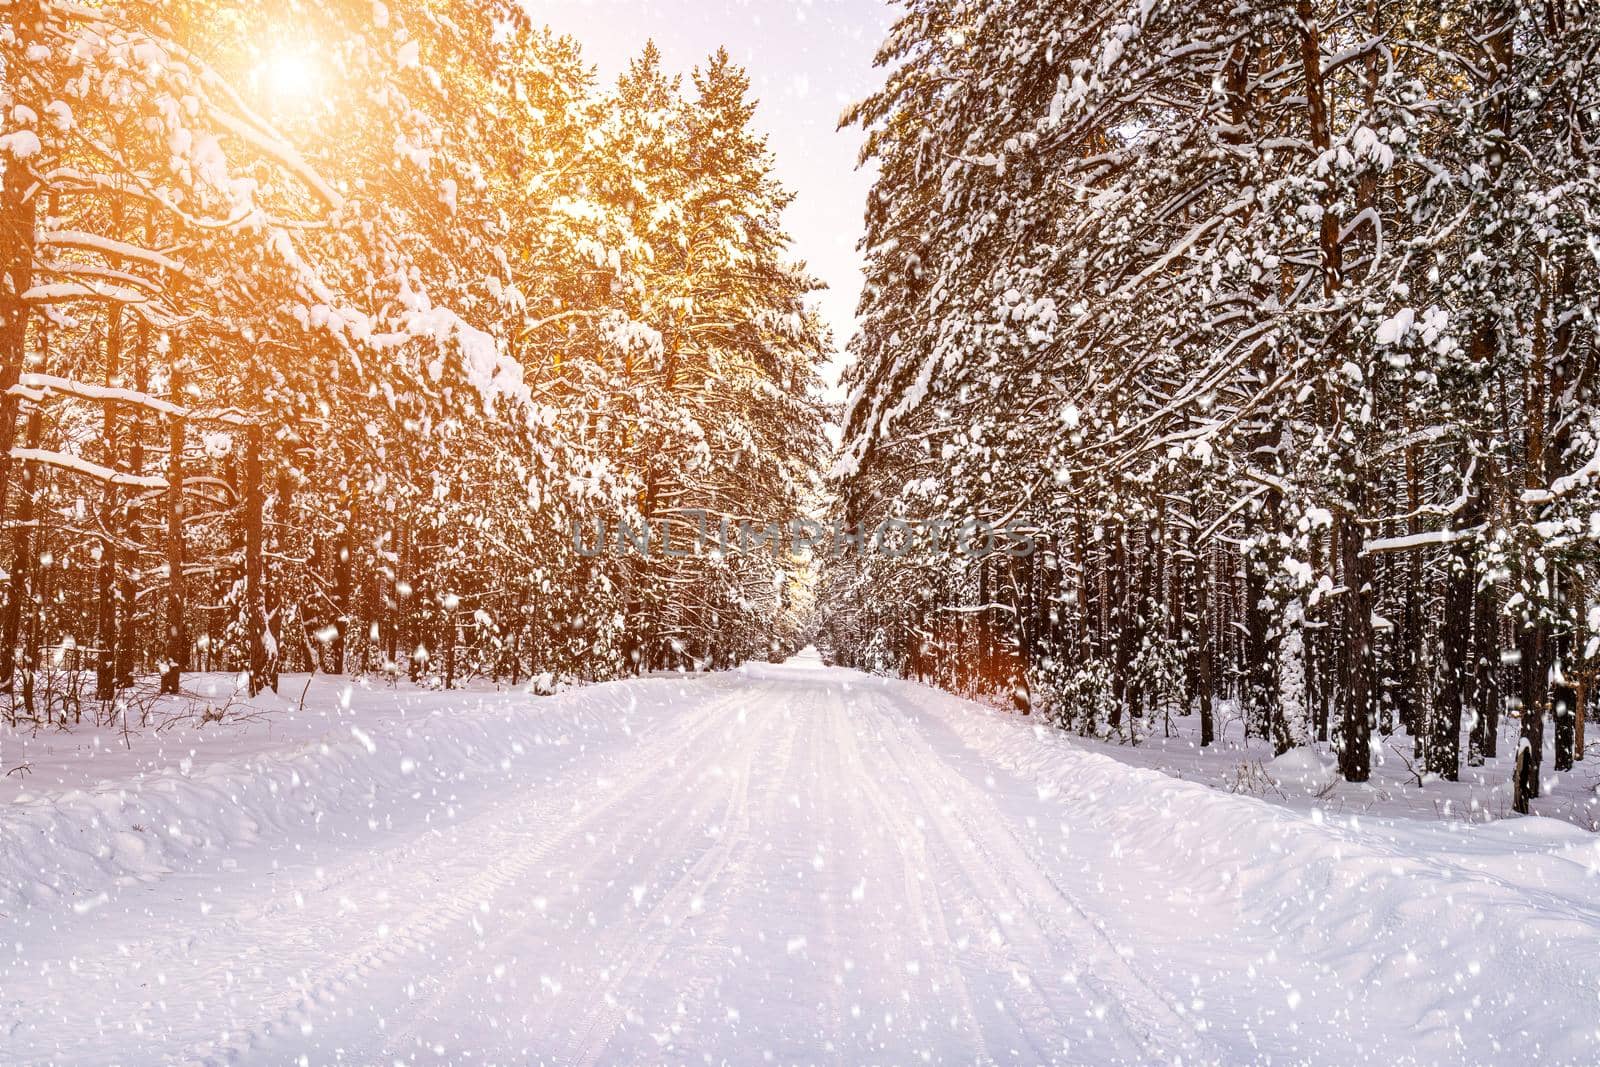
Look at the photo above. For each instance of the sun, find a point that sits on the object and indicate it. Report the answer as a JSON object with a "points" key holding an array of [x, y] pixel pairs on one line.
{"points": [[289, 80]]}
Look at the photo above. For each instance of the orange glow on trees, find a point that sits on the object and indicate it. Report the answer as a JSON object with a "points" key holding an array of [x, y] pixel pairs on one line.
{"points": [[395, 258]]}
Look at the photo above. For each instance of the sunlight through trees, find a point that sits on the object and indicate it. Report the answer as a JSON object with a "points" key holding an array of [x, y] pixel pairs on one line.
{"points": [[323, 324]]}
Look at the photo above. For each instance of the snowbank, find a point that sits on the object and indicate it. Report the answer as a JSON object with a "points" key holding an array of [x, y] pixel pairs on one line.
{"points": [[1486, 929], [1305, 768], [352, 764]]}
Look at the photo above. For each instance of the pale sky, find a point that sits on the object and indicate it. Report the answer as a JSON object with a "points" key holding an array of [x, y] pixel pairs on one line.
{"points": [[807, 60]]}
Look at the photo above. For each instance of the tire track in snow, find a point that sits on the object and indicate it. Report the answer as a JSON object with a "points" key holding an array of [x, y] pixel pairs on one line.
{"points": [[912, 851], [815, 713], [503, 830], [994, 857], [643, 946], [589, 1015]]}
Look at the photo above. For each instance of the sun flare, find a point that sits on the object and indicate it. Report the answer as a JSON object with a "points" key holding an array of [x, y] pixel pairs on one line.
{"points": [[289, 80]]}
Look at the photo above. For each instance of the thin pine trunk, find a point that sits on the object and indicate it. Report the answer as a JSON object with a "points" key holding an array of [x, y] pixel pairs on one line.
{"points": [[177, 646], [18, 208], [255, 602], [106, 667], [127, 594]]}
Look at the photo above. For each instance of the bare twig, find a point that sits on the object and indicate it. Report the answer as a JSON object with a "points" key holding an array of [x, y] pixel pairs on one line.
{"points": [[1410, 765]]}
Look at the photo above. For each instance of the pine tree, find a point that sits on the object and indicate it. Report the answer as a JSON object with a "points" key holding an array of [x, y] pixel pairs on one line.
{"points": [[1291, 288]]}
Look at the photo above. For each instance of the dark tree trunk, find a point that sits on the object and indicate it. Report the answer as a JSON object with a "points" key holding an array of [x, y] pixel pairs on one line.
{"points": [[1259, 714], [1443, 752], [1118, 629], [449, 633], [1413, 632], [177, 646], [106, 664], [985, 621], [342, 578], [1204, 656], [1535, 693], [23, 559], [1486, 679], [1458, 658], [1357, 693], [1086, 606], [255, 599], [1564, 711]]}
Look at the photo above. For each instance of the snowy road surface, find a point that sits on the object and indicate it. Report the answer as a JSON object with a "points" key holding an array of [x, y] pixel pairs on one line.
{"points": [[781, 864]]}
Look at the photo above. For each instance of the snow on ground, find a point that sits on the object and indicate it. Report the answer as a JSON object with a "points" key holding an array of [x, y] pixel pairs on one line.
{"points": [[788, 864], [1308, 778]]}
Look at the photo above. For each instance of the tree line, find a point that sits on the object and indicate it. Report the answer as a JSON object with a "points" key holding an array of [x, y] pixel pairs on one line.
{"points": [[1277, 322], [321, 326]]}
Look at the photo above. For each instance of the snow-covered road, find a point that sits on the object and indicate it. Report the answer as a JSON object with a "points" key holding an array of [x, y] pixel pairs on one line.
{"points": [[781, 864]]}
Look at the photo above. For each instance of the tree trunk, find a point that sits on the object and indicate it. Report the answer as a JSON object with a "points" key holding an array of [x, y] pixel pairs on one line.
{"points": [[1486, 697], [1260, 711], [23, 559], [1564, 710], [127, 595], [255, 600], [344, 550], [17, 221], [106, 668], [1205, 657], [1119, 628], [1413, 631], [1443, 752], [177, 647], [1355, 736], [1563, 703]]}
